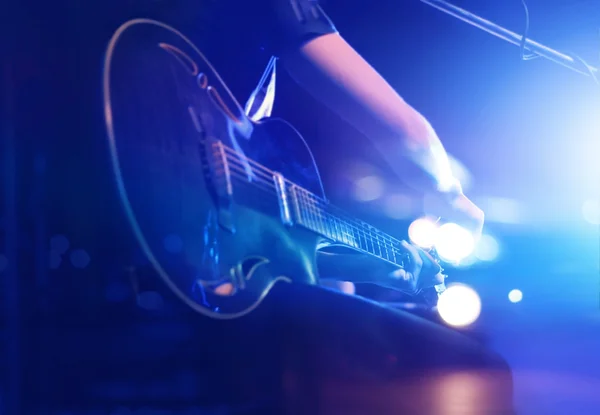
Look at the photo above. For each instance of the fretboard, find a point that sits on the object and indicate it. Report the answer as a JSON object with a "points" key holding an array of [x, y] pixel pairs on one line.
{"points": [[321, 217], [301, 207]]}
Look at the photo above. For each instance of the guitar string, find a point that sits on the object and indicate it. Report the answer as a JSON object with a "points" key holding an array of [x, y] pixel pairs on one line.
{"points": [[269, 173], [385, 247], [393, 254], [380, 235], [373, 233], [270, 187]]}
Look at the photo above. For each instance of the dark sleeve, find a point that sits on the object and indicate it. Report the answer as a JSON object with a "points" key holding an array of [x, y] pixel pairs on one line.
{"points": [[295, 22]]}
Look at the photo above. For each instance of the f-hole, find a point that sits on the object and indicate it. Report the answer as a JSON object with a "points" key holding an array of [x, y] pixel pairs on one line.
{"points": [[202, 80], [218, 101], [182, 57]]}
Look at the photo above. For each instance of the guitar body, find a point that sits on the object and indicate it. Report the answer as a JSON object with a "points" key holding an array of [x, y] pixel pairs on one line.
{"points": [[190, 168]]}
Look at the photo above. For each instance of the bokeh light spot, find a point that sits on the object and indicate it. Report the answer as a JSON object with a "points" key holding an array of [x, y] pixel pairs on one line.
{"points": [[59, 243], [459, 305], [514, 296], [399, 206], [487, 248], [80, 258], [368, 188], [423, 232], [54, 259], [453, 242]]}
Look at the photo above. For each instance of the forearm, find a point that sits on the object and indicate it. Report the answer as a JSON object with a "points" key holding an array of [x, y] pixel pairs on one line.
{"points": [[329, 69]]}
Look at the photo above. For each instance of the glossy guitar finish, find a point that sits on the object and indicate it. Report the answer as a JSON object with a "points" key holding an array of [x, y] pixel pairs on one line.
{"points": [[222, 207]]}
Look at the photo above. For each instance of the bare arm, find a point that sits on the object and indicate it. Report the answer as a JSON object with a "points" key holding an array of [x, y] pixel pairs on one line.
{"points": [[333, 72]]}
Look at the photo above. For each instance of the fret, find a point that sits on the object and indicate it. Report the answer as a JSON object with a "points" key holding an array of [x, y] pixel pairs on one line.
{"points": [[332, 233], [351, 238], [335, 229], [338, 230], [374, 242], [385, 249], [323, 217], [384, 246], [313, 214], [368, 242], [362, 239], [328, 229], [342, 227], [355, 237], [319, 215], [309, 216], [342, 236], [331, 228], [296, 204], [345, 232], [389, 250], [379, 244], [305, 213], [313, 217]]}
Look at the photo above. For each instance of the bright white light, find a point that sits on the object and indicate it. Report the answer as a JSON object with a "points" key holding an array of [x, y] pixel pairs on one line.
{"points": [[453, 242], [466, 262], [502, 210], [459, 305], [368, 188], [487, 248], [591, 211], [515, 296], [423, 232]]}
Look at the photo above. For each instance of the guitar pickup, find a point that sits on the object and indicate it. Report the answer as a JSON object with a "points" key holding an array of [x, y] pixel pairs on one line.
{"points": [[282, 197]]}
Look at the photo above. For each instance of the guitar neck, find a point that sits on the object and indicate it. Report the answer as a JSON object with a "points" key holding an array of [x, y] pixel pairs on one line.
{"points": [[299, 206], [321, 217]]}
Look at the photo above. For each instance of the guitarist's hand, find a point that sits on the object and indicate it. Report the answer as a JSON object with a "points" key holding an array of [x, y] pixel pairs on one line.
{"points": [[422, 271]]}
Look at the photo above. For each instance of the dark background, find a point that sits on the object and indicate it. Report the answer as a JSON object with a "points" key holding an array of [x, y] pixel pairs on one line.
{"points": [[526, 132]]}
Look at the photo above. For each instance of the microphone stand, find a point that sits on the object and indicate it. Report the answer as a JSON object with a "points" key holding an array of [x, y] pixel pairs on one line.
{"points": [[574, 63]]}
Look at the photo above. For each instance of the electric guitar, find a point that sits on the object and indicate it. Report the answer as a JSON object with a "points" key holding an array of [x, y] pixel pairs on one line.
{"points": [[222, 207]]}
